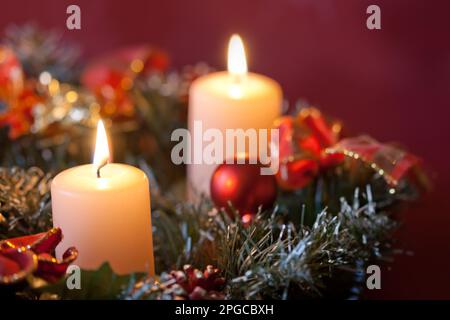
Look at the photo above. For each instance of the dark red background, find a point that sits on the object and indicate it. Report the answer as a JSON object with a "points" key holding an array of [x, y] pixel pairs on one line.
{"points": [[391, 83]]}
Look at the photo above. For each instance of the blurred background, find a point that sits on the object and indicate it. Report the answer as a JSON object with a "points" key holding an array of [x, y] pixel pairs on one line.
{"points": [[391, 83]]}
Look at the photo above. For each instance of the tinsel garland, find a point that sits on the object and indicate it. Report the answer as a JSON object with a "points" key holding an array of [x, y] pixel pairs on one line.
{"points": [[271, 258], [25, 206]]}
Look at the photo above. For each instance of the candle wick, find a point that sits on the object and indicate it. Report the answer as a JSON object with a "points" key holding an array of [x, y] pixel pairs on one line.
{"points": [[104, 163], [236, 79]]}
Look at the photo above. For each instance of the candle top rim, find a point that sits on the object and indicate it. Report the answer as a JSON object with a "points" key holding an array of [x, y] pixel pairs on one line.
{"points": [[83, 178], [253, 84]]}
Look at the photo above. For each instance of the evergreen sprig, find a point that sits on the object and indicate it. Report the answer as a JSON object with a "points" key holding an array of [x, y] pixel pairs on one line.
{"points": [[272, 257]]}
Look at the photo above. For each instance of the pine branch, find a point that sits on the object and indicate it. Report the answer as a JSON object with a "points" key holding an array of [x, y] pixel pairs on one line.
{"points": [[273, 257], [25, 206]]}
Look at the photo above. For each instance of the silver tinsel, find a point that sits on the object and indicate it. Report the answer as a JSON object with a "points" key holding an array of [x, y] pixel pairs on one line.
{"points": [[24, 202]]}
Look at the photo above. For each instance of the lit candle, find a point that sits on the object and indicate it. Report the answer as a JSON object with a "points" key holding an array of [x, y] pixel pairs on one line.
{"points": [[103, 210], [233, 99]]}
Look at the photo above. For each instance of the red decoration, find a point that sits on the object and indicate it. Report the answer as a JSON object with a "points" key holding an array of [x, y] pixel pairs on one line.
{"points": [[243, 186], [11, 74], [390, 162], [200, 285], [192, 284], [297, 174], [302, 148], [16, 95], [112, 77], [18, 117], [22, 256], [310, 144]]}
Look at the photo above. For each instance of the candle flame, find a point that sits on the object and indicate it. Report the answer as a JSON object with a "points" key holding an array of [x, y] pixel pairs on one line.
{"points": [[237, 63], [101, 154]]}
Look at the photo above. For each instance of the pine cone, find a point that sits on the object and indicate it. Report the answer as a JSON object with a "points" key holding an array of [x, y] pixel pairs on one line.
{"points": [[198, 285], [189, 284]]}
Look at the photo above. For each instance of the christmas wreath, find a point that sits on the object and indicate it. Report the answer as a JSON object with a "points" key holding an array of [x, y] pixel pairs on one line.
{"points": [[308, 232]]}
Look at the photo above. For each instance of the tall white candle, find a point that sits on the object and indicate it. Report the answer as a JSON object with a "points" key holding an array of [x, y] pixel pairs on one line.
{"points": [[233, 99], [106, 217]]}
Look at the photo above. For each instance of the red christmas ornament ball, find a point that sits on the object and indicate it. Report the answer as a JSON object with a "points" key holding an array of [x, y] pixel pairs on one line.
{"points": [[243, 186]]}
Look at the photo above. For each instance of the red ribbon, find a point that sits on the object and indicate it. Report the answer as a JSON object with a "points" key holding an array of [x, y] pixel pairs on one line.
{"points": [[309, 143], [303, 141], [389, 161]]}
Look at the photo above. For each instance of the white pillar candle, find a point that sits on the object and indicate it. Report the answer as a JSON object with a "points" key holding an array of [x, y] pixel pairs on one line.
{"points": [[233, 99], [106, 217]]}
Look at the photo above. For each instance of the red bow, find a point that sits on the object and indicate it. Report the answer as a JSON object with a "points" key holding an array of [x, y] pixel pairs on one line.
{"points": [[302, 148], [309, 144], [387, 160]]}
